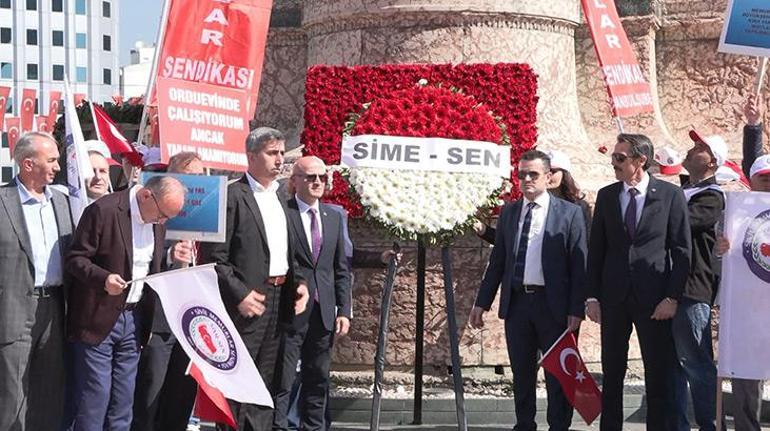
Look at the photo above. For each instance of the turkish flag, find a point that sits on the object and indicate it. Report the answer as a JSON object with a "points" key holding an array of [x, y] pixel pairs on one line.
{"points": [[564, 362], [210, 403], [28, 109], [13, 130], [115, 141], [4, 92], [42, 123], [54, 102]]}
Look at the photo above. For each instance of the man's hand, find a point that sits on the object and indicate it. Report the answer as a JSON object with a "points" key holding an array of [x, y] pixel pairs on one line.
{"points": [[114, 284], [342, 326], [252, 305], [665, 310], [479, 227], [722, 246], [181, 253], [300, 301], [752, 111], [594, 311], [387, 254], [573, 323], [476, 317]]}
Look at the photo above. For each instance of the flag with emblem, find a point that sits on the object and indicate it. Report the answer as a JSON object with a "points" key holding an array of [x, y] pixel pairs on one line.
{"points": [[27, 109], [564, 362], [79, 169], [4, 93], [54, 102], [13, 132]]}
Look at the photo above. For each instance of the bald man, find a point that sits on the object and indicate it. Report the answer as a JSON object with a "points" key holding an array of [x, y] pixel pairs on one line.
{"points": [[320, 259]]}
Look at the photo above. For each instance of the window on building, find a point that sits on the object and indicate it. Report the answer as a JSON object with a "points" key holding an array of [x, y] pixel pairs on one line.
{"points": [[81, 74], [80, 40], [107, 42], [57, 6], [106, 9], [107, 76], [9, 105], [5, 4], [80, 7], [32, 71], [31, 37], [5, 35], [7, 174], [6, 71], [31, 4], [58, 72], [4, 144], [57, 38]]}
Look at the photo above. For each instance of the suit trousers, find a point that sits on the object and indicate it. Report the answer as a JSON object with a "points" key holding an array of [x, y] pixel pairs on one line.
{"points": [[105, 376], [164, 394], [32, 371], [747, 405], [263, 342], [530, 327], [313, 344], [657, 346]]}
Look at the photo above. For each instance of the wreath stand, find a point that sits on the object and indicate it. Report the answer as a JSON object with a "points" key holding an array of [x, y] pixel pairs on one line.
{"points": [[379, 358]]}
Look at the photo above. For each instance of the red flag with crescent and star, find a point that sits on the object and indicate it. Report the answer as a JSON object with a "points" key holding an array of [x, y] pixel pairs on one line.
{"points": [[4, 93], [54, 102], [564, 362], [27, 109], [13, 130]]}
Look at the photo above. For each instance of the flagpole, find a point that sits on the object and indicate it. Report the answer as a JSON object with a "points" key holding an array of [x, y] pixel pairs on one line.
{"points": [[564, 334], [760, 76], [173, 271], [154, 69], [93, 120], [619, 122], [719, 403]]}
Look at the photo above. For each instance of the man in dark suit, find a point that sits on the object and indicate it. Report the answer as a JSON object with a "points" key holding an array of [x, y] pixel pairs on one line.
{"points": [[538, 261], [120, 237], [33, 242], [638, 262], [255, 265], [321, 260]]}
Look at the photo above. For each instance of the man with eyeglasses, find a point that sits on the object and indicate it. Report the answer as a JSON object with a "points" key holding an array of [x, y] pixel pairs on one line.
{"points": [[638, 262], [538, 262], [321, 260], [120, 238]]}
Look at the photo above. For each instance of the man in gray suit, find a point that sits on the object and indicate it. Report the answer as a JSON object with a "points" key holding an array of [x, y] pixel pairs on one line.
{"points": [[36, 235]]}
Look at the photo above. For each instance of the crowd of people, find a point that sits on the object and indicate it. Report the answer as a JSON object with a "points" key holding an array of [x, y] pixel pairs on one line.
{"points": [[85, 345]]}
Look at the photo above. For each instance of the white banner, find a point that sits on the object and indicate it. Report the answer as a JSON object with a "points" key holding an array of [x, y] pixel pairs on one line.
{"points": [[425, 154], [744, 319], [197, 317]]}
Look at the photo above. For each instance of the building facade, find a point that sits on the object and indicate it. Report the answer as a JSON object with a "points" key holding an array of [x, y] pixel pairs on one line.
{"points": [[135, 75]]}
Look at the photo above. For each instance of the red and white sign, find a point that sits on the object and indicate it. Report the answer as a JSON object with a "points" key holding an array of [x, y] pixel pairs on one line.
{"points": [[13, 129], [217, 42], [28, 109], [41, 121], [203, 118], [54, 102], [626, 84], [564, 362], [4, 93]]}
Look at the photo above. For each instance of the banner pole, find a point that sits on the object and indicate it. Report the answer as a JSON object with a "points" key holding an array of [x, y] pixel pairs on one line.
{"points": [[760, 79], [619, 122], [419, 331], [93, 120], [719, 403], [454, 342], [153, 70]]}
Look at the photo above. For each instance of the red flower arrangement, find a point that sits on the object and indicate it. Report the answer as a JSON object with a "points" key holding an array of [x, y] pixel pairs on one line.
{"points": [[332, 93]]}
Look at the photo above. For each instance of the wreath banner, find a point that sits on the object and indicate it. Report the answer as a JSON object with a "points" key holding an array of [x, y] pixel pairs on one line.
{"points": [[425, 154]]}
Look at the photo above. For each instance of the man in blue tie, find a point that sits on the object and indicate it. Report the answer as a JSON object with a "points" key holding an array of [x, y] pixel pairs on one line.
{"points": [[538, 262]]}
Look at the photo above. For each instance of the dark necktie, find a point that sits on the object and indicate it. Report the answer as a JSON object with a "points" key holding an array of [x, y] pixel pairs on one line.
{"points": [[521, 252], [315, 240], [631, 213]]}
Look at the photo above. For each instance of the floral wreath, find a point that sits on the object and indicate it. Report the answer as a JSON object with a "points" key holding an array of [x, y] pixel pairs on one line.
{"points": [[430, 205]]}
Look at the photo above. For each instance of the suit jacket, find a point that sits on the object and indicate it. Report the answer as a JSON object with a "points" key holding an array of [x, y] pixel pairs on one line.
{"points": [[103, 246], [243, 260], [652, 266], [563, 260], [330, 276], [17, 270]]}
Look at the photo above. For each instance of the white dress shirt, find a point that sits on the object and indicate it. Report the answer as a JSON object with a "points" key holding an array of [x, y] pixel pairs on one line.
{"points": [[43, 233], [533, 266], [304, 215], [143, 242], [275, 225], [625, 197]]}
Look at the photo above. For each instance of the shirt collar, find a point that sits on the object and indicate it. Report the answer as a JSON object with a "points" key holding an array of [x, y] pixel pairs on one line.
{"points": [[136, 216], [256, 187], [25, 195], [542, 201], [304, 207], [641, 187]]}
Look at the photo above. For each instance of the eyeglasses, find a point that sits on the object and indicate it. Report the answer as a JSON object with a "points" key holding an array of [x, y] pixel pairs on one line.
{"points": [[311, 178], [522, 175], [163, 215], [620, 157]]}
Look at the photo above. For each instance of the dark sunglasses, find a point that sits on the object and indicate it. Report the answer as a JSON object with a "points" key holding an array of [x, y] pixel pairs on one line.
{"points": [[522, 175], [311, 178], [620, 157]]}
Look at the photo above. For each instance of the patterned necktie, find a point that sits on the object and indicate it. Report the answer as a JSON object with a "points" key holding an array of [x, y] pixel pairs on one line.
{"points": [[521, 253], [631, 213]]}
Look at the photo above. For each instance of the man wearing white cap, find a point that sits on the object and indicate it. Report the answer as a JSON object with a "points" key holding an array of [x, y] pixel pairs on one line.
{"points": [[691, 326]]}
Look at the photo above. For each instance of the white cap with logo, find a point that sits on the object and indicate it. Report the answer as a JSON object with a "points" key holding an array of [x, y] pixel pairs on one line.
{"points": [[761, 166], [715, 143]]}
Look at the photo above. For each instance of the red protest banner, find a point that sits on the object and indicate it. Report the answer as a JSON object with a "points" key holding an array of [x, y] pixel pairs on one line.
{"points": [[207, 119], [628, 89], [27, 109], [4, 92], [54, 102], [13, 130], [216, 42]]}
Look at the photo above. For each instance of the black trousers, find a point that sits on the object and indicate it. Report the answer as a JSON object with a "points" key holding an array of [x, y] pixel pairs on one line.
{"points": [[313, 344], [657, 346], [530, 327], [164, 395], [263, 344]]}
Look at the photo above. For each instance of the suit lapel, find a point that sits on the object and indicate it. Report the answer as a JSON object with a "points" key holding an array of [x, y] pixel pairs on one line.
{"points": [[514, 228], [296, 220], [12, 202], [124, 225], [614, 207], [328, 231], [251, 203]]}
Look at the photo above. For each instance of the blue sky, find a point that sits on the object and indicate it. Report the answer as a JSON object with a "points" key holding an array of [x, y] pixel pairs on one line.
{"points": [[139, 20]]}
